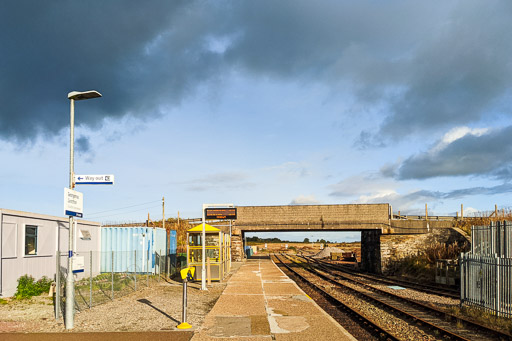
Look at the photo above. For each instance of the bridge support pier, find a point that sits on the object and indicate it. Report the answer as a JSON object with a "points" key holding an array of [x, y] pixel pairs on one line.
{"points": [[237, 248], [371, 260]]}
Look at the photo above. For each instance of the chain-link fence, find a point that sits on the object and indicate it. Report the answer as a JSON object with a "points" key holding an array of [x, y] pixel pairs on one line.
{"points": [[104, 276]]}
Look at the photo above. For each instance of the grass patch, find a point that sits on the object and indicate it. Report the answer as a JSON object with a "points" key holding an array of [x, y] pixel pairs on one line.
{"points": [[484, 318]]}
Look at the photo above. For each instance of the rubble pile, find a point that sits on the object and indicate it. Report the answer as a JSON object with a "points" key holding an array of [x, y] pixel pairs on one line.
{"points": [[326, 252]]}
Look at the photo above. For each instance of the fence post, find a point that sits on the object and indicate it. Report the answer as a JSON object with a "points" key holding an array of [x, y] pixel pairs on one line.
{"points": [[497, 284], [208, 271], [135, 268], [462, 279], [168, 262], [147, 269], [159, 264], [112, 275], [57, 285], [90, 279]]}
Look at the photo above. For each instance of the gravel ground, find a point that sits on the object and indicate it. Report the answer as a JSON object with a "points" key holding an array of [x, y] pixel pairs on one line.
{"points": [[158, 307]]}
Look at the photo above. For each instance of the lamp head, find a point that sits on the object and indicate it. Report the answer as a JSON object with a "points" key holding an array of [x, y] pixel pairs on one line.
{"points": [[80, 95]]}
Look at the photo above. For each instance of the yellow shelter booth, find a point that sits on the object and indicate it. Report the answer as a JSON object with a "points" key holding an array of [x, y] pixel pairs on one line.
{"points": [[217, 248]]}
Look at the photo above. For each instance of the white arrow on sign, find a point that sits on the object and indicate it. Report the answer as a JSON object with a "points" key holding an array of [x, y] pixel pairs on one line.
{"points": [[94, 179]]}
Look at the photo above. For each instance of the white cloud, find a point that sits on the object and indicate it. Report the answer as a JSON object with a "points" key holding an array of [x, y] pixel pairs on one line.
{"points": [[290, 169], [304, 200], [363, 184], [456, 134]]}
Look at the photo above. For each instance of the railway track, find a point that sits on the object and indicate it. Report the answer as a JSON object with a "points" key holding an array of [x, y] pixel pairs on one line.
{"points": [[424, 321], [353, 321], [436, 290]]}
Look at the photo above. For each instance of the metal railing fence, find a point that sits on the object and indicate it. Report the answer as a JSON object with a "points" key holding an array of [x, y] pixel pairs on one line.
{"points": [[493, 239], [486, 271], [110, 275], [486, 282]]}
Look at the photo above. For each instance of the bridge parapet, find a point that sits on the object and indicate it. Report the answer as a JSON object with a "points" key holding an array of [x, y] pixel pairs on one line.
{"points": [[418, 226], [316, 215]]}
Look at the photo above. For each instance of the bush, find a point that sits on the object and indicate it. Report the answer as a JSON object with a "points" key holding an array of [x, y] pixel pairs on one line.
{"points": [[28, 287], [423, 265]]}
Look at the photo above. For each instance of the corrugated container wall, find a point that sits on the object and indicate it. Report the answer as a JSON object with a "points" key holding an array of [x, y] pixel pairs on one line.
{"points": [[171, 242], [133, 248]]}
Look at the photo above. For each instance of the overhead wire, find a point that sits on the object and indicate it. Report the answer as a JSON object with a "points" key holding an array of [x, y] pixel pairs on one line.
{"points": [[122, 208], [115, 214]]}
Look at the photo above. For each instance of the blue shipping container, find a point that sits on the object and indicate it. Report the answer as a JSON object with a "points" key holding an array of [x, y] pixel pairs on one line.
{"points": [[133, 248]]}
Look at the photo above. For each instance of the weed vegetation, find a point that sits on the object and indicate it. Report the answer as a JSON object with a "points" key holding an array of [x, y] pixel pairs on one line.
{"points": [[483, 218], [423, 265], [29, 287], [485, 318]]}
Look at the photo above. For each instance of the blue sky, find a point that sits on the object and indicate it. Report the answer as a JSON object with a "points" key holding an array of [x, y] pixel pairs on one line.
{"points": [[257, 103]]}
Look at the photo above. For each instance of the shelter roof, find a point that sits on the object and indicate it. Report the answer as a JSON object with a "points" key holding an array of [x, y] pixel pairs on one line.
{"points": [[207, 228]]}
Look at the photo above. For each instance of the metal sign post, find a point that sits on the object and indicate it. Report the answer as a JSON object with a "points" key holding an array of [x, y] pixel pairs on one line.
{"points": [[73, 207]]}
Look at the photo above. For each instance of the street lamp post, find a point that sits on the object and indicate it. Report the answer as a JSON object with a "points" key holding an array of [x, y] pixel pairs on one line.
{"points": [[70, 286]]}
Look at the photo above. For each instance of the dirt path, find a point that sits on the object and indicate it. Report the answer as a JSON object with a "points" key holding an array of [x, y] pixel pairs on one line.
{"points": [[158, 308]]}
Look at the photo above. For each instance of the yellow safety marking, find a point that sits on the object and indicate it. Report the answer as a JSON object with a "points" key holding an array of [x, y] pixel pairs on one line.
{"points": [[184, 325]]}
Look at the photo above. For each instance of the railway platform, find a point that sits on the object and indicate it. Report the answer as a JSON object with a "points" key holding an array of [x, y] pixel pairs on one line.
{"points": [[261, 303]]}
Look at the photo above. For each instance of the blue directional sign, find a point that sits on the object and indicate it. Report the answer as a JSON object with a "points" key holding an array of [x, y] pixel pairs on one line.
{"points": [[94, 179]]}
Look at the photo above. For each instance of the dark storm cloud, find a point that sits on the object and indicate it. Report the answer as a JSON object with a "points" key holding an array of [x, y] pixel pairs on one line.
{"points": [[82, 145], [434, 65], [50, 48], [489, 154]]}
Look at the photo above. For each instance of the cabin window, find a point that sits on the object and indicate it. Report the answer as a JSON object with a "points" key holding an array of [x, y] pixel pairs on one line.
{"points": [[30, 240]]}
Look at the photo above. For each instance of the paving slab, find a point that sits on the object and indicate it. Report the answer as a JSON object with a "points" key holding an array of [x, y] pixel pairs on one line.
{"points": [[243, 289], [276, 289], [235, 305], [261, 303]]}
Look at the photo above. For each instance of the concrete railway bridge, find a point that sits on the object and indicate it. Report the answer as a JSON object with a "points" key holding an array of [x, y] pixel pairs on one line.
{"points": [[384, 236]]}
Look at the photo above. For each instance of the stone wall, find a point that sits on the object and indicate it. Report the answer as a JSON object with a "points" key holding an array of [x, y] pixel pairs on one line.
{"points": [[237, 253], [393, 247]]}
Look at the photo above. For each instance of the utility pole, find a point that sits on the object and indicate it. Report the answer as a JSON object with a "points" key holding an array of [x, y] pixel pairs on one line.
{"points": [[163, 212]]}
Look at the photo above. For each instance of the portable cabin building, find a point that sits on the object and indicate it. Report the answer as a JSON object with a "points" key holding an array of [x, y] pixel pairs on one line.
{"points": [[132, 249], [29, 243]]}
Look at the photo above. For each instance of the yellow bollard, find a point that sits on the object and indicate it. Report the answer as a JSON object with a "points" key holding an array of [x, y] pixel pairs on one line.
{"points": [[186, 274]]}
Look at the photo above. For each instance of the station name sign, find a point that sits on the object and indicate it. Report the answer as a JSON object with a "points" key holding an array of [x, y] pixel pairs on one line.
{"points": [[220, 213], [73, 203]]}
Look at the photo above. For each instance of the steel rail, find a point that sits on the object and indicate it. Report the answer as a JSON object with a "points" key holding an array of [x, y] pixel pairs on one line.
{"points": [[441, 330], [364, 322], [411, 285], [469, 323]]}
